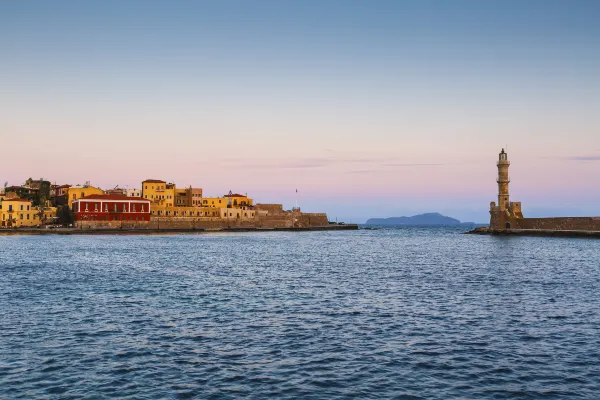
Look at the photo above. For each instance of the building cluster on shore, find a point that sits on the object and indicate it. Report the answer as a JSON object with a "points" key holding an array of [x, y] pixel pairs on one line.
{"points": [[157, 204]]}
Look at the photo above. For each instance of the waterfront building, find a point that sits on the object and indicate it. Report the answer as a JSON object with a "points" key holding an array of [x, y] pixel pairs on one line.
{"points": [[231, 200], [195, 197], [111, 207], [188, 197], [217, 202], [59, 194], [238, 200], [16, 212], [134, 193], [159, 192], [79, 192]]}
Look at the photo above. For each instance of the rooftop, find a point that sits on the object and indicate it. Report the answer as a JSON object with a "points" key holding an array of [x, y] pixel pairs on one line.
{"points": [[111, 197]]}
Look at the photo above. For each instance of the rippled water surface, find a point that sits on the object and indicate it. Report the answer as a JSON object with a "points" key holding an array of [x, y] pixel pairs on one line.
{"points": [[407, 313]]}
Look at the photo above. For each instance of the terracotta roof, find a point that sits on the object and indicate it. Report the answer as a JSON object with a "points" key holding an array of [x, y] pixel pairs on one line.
{"points": [[111, 197], [235, 195], [154, 181], [23, 200]]}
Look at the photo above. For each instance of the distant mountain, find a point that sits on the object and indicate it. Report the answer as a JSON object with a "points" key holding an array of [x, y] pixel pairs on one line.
{"points": [[428, 219]]}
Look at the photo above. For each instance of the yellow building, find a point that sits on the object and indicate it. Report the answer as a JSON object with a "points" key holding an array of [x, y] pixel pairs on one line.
{"points": [[49, 215], [231, 200], [18, 212], [79, 192], [238, 200], [159, 192], [217, 202], [237, 213], [201, 212]]}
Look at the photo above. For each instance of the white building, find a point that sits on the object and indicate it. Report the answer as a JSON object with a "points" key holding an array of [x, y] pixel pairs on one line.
{"points": [[134, 193]]}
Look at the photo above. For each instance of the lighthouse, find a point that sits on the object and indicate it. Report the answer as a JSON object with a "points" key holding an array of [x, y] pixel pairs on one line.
{"points": [[506, 214], [503, 181]]}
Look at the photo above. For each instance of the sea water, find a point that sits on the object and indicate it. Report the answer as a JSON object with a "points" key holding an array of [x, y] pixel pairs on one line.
{"points": [[392, 313]]}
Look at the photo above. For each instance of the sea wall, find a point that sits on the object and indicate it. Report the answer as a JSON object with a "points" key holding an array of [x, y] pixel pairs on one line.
{"points": [[283, 220], [562, 224], [311, 219]]}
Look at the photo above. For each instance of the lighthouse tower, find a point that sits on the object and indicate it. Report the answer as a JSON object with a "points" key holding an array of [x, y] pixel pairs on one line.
{"points": [[503, 181], [506, 214]]}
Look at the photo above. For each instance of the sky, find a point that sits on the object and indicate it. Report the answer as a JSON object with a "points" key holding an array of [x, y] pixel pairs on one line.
{"points": [[368, 109]]}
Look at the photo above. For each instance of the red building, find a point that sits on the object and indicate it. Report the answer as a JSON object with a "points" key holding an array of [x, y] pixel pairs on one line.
{"points": [[58, 194], [111, 207]]}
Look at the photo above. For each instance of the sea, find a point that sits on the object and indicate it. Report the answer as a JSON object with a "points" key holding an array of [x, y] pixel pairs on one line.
{"points": [[408, 313]]}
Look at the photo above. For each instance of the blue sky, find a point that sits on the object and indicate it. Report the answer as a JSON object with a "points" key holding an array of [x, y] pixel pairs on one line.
{"points": [[370, 109]]}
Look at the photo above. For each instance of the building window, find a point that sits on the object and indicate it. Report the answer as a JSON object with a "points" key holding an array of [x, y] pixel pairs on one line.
{"points": [[124, 208], [95, 207], [115, 208], [86, 207], [27, 216], [106, 208], [21, 216], [134, 208], [27, 208], [21, 207]]}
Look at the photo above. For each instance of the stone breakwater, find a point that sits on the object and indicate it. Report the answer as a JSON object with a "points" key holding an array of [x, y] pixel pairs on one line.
{"points": [[153, 231], [535, 232]]}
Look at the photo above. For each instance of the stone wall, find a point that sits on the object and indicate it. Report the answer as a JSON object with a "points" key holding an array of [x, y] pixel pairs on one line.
{"points": [[169, 223], [282, 220], [270, 208], [311, 219], [561, 224]]}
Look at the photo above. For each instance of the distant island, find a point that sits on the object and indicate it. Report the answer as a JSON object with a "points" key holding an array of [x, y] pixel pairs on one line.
{"points": [[428, 219]]}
